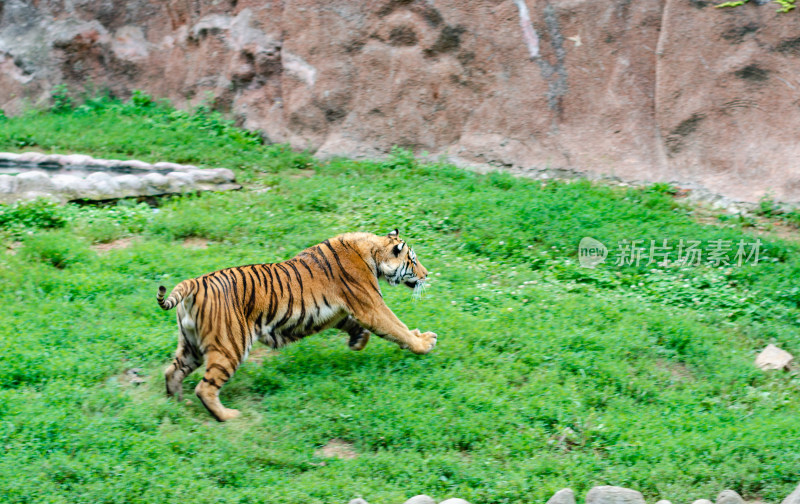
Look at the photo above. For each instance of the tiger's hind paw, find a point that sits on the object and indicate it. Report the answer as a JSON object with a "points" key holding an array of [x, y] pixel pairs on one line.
{"points": [[358, 342]]}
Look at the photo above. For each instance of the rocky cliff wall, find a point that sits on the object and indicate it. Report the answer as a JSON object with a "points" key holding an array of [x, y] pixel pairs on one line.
{"points": [[659, 90]]}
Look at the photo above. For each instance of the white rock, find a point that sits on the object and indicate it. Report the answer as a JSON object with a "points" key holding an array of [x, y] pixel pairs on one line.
{"points": [[102, 163], [773, 357], [156, 183], [663, 501], [563, 496], [163, 165], [76, 159], [34, 181], [420, 499], [103, 186], [455, 500], [129, 185], [613, 495], [213, 176], [135, 163], [71, 186], [31, 157], [702, 501], [11, 157], [729, 497], [8, 184], [50, 159], [793, 498], [358, 501], [180, 181]]}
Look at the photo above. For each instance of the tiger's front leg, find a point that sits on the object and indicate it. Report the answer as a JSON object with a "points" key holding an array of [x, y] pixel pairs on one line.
{"points": [[383, 322], [359, 336]]}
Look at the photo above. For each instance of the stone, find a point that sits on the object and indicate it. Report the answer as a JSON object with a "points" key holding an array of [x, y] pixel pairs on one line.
{"points": [[50, 160], [129, 185], [164, 165], [35, 181], [773, 357], [10, 157], [663, 501], [32, 157], [729, 497], [454, 500], [420, 499], [213, 175], [135, 164], [793, 498], [563, 496], [103, 186], [76, 159], [180, 182], [156, 183], [358, 501], [72, 186], [8, 184], [702, 501], [613, 495]]}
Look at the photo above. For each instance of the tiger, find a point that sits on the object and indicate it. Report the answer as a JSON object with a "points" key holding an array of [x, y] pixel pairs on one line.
{"points": [[332, 284]]}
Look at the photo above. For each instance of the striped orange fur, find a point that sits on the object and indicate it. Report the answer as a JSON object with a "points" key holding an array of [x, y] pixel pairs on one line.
{"points": [[333, 284]]}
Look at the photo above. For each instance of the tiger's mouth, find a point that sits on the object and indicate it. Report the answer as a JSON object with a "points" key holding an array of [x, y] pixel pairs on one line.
{"points": [[415, 283]]}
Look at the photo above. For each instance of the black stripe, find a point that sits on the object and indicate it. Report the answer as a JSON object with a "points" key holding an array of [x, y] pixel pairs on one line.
{"points": [[221, 368], [305, 265], [318, 249]]}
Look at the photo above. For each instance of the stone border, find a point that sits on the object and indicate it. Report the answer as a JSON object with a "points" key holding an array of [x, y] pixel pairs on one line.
{"points": [[74, 177], [605, 495]]}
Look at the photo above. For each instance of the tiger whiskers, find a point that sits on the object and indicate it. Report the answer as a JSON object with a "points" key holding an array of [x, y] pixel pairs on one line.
{"points": [[419, 290]]}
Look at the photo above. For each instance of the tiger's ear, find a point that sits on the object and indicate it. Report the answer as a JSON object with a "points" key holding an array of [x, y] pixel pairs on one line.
{"points": [[394, 233], [398, 248]]}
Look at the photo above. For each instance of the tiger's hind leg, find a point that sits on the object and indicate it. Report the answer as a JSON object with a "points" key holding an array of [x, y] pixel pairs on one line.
{"points": [[187, 359], [219, 369], [359, 337]]}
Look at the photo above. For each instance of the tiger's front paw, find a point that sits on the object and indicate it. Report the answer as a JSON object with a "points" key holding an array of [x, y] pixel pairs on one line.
{"points": [[425, 343]]}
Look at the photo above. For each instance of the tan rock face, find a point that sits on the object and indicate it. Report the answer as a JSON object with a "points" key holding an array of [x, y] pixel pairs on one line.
{"points": [[660, 90]]}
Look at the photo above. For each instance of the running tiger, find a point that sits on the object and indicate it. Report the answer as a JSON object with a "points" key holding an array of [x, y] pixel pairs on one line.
{"points": [[333, 284]]}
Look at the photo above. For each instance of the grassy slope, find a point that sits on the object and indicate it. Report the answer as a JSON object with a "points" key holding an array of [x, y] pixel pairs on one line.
{"points": [[546, 375]]}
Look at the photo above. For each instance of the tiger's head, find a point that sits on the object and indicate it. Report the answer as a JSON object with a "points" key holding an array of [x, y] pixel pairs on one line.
{"points": [[398, 263]]}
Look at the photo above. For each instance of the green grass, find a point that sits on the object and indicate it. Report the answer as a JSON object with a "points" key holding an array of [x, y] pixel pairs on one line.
{"points": [[546, 374]]}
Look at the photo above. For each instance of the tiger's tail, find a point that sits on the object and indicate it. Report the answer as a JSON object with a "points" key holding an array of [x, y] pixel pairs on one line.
{"points": [[180, 291]]}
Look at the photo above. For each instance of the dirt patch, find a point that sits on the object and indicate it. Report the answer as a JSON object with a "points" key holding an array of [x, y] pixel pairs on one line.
{"points": [[133, 376], [760, 226], [301, 174], [260, 354], [677, 370], [121, 243], [13, 247], [195, 242], [336, 448]]}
